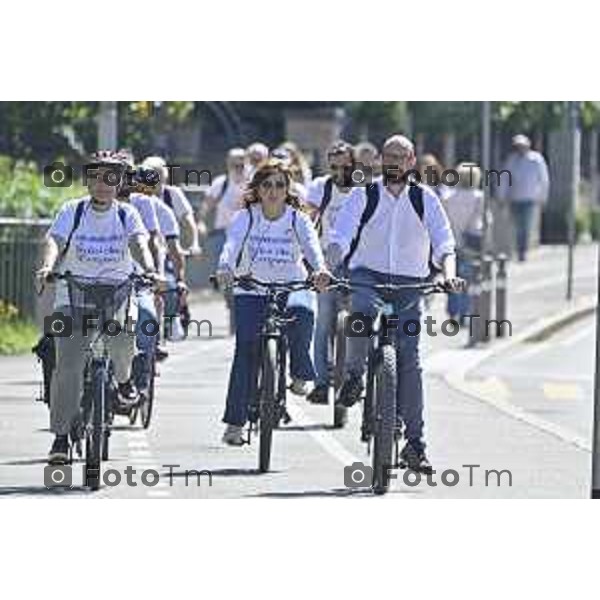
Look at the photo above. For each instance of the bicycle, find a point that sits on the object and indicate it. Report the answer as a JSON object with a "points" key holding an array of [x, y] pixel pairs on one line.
{"points": [[267, 408], [381, 429], [100, 299], [337, 349]]}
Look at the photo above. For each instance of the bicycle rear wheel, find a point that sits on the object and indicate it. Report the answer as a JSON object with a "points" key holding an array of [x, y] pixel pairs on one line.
{"points": [[148, 403], [95, 429], [340, 413], [385, 416], [267, 404]]}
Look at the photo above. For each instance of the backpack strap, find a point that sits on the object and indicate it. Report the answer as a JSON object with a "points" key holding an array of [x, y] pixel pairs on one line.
{"points": [[372, 191], [168, 199], [224, 188], [76, 222], [122, 215], [415, 194], [325, 201], [238, 260]]}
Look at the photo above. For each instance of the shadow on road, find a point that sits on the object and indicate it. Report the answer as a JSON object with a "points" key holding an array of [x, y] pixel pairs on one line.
{"points": [[313, 427], [336, 492], [219, 473], [30, 490]]}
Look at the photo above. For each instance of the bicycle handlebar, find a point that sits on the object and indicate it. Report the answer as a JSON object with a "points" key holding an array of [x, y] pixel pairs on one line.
{"points": [[248, 281], [431, 287]]}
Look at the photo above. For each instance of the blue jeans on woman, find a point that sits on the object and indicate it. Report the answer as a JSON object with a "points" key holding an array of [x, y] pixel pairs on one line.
{"points": [[522, 214], [250, 312], [409, 391]]}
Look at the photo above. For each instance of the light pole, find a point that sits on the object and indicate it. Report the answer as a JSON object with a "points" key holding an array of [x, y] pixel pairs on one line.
{"points": [[107, 126]]}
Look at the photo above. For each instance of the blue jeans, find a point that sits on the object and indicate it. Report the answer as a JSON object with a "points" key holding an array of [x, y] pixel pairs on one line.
{"points": [[250, 312], [409, 389], [145, 340], [328, 308], [459, 303], [522, 214]]}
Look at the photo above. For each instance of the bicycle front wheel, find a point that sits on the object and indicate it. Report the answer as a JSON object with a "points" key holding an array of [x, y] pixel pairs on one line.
{"points": [[340, 413], [95, 428], [385, 416], [148, 401], [267, 404]]}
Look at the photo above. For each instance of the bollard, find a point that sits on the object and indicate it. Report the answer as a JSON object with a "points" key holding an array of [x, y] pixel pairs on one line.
{"points": [[475, 293], [486, 297], [501, 280]]}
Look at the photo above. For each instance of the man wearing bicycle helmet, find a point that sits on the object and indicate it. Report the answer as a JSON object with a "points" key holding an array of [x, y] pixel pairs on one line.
{"points": [[93, 237], [387, 236]]}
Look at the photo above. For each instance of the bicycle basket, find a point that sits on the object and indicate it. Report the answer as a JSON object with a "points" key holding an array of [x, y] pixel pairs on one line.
{"points": [[98, 295]]}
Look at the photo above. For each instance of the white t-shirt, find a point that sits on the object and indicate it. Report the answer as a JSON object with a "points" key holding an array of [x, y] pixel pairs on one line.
{"points": [[229, 202], [315, 198], [167, 221], [273, 250], [146, 207], [100, 245], [180, 204]]}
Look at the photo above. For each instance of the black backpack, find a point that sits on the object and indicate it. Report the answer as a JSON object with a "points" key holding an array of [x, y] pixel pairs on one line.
{"points": [[415, 194]]}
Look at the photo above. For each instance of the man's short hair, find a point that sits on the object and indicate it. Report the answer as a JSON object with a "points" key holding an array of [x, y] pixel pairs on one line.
{"points": [[400, 140]]}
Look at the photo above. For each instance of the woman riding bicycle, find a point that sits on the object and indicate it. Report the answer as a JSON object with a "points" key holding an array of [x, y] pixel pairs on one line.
{"points": [[93, 237], [269, 240]]}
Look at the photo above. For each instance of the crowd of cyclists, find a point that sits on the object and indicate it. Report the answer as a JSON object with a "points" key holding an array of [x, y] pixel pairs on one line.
{"points": [[271, 220]]}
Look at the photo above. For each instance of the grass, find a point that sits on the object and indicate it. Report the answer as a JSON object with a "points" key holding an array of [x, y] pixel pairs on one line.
{"points": [[17, 336]]}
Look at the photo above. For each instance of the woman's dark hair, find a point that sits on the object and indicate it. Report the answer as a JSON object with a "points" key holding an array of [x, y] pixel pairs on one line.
{"points": [[264, 171]]}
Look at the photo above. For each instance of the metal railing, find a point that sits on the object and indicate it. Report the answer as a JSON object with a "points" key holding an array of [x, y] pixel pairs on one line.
{"points": [[20, 244]]}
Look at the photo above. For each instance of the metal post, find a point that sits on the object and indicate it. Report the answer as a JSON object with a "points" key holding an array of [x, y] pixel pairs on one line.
{"points": [[475, 292], [486, 296], [501, 292], [574, 155], [107, 126], [596, 448]]}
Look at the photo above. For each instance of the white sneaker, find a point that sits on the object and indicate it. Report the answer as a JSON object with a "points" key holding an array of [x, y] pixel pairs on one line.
{"points": [[299, 387], [233, 435]]}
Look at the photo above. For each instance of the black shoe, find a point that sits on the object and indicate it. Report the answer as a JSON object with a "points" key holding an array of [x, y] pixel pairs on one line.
{"points": [[127, 392], [318, 395], [161, 354], [415, 459], [59, 453], [351, 391]]}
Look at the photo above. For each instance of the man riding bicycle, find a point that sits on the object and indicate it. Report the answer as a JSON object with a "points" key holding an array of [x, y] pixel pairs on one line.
{"points": [[388, 236], [93, 237], [326, 196]]}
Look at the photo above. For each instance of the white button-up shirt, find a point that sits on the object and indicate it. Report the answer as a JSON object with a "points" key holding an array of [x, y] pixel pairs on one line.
{"points": [[395, 241]]}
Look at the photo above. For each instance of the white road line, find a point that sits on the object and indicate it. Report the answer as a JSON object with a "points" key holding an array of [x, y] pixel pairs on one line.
{"points": [[324, 438]]}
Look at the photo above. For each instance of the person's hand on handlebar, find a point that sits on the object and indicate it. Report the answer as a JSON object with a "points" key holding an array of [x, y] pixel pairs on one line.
{"points": [[454, 284], [333, 256], [321, 280], [41, 275], [159, 281], [224, 278]]}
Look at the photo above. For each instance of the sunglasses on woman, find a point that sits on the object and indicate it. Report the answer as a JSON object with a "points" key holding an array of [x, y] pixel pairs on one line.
{"points": [[269, 185]]}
